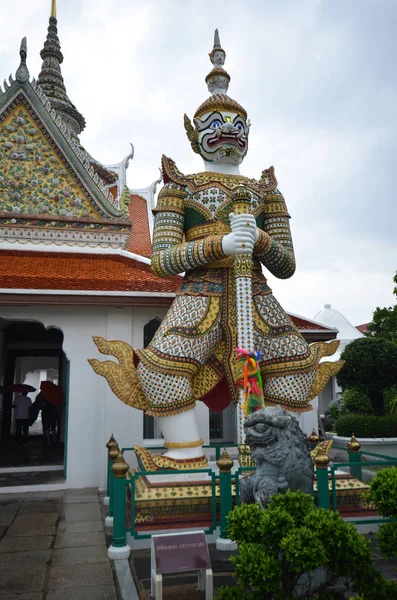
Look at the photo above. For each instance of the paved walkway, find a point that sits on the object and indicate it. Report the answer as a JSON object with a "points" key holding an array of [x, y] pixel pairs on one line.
{"points": [[53, 547]]}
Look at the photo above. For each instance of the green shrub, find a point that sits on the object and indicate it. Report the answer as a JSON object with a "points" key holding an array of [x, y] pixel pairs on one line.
{"points": [[280, 547], [366, 426], [383, 493], [356, 401], [334, 411]]}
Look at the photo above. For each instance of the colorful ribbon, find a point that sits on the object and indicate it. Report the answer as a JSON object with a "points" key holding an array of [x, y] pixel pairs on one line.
{"points": [[248, 377]]}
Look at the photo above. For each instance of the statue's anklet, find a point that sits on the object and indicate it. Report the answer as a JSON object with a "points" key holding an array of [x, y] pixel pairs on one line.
{"points": [[184, 444]]}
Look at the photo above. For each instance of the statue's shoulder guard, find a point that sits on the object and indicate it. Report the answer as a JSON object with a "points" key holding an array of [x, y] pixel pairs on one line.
{"points": [[268, 181], [171, 173]]}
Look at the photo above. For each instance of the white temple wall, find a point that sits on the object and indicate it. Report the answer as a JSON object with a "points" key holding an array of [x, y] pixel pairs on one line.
{"points": [[94, 411], [308, 420]]}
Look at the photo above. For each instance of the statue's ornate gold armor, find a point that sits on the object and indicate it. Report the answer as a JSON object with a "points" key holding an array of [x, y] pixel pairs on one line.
{"points": [[193, 350]]}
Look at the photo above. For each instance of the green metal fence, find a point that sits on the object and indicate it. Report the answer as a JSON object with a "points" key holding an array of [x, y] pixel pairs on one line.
{"points": [[347, 493], [225, 486]]}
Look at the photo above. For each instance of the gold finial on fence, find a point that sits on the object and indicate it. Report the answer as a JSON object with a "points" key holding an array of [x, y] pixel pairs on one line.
{"points": [[112, 442], [321, 460], [314, 438], [119, 467], [354, 445], [114, 452], [224, 462]]}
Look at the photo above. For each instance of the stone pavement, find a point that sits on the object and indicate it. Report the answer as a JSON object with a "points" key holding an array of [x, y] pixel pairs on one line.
{"points": [[53, 547]]}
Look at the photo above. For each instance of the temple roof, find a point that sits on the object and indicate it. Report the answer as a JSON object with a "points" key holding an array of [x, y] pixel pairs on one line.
{"points": [[140, 240], [78, 271], [51, 189], [34, 138], [333, 318]]}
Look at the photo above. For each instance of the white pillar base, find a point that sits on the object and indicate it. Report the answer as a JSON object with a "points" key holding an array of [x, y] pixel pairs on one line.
{"points": [[106, 500], [118, 553], [225, 545], [109, 521]]}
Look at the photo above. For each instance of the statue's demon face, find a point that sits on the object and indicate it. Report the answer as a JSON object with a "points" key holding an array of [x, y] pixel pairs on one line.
{"points": [[222, 137]]}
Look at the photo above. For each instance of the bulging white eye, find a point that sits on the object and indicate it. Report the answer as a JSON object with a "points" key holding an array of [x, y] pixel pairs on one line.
{"points": [[216, 124]]}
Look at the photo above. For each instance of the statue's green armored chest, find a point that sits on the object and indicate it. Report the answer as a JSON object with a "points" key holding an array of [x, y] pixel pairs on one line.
{"points": [[214, 204]]}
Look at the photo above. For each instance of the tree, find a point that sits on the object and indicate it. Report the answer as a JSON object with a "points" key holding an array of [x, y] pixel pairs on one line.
{"points": [[370, 364], [384, 321], [384, 494], [279, 550], [384, 324]]}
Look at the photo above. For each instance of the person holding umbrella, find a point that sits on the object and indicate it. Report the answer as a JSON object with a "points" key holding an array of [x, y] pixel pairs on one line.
{"points": [[52, 398], [21, 404]]}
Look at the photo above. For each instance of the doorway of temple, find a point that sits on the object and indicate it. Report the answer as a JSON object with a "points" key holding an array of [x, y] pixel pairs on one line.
{"points": [[223, 428], [33, 380]]}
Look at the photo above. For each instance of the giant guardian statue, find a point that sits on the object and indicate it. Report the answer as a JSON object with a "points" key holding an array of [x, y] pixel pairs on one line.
{"points": [[199, 230]]}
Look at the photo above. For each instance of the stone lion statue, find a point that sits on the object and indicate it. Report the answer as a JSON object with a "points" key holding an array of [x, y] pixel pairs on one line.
{"points": [[281, 454]]}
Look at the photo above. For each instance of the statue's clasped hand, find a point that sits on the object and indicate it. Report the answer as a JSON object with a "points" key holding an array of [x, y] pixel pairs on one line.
{"points": [[243, 236]]}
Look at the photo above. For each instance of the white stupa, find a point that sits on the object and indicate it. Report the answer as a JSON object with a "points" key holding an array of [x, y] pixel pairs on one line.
{"points": [[347, 332]]}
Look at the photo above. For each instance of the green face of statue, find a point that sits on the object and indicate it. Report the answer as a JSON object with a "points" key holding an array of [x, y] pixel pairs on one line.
{"points": [[222, 137]]}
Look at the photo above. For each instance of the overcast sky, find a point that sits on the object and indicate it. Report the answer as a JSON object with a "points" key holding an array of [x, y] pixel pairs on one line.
{"points": [[318, 80]]}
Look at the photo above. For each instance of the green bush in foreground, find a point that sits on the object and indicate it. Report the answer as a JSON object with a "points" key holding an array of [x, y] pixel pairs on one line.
{"points": [[384, 494], [366, 426], [280, 547]]}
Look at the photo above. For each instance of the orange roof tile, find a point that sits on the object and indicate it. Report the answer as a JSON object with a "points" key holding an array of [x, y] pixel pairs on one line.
{"points": [[139, 241], [92, 272], [303, 324]]}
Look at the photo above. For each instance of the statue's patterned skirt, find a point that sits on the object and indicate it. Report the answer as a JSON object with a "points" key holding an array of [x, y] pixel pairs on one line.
{"points": [[193, 349]]}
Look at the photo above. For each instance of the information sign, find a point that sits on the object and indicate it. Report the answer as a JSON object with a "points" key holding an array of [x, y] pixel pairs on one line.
{"points": [[179, 552]]}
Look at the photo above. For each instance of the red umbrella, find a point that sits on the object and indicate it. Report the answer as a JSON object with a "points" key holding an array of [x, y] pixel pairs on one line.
{"points": [[21, 388], [51, 392]]}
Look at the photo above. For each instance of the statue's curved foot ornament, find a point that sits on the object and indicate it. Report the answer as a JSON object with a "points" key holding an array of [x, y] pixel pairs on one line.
{"points": [[150, 462], [123, 377], [325, 370]]}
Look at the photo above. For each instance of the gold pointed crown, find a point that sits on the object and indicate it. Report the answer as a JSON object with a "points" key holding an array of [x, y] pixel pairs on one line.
{"points": [[220, 102]]}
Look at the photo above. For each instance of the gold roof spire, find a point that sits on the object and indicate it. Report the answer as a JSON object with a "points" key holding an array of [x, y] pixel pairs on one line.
{"points": [[54, 8]]}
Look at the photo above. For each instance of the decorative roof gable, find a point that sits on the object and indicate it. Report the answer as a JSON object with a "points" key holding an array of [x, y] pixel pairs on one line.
{"points": [[60, 136], [36, 177]]}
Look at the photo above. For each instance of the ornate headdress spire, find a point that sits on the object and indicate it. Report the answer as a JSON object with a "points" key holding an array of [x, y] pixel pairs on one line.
{"points": [[51, 80], [217, 82], [217, 41], [22, 74], [218, 79], [212, 135]]}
